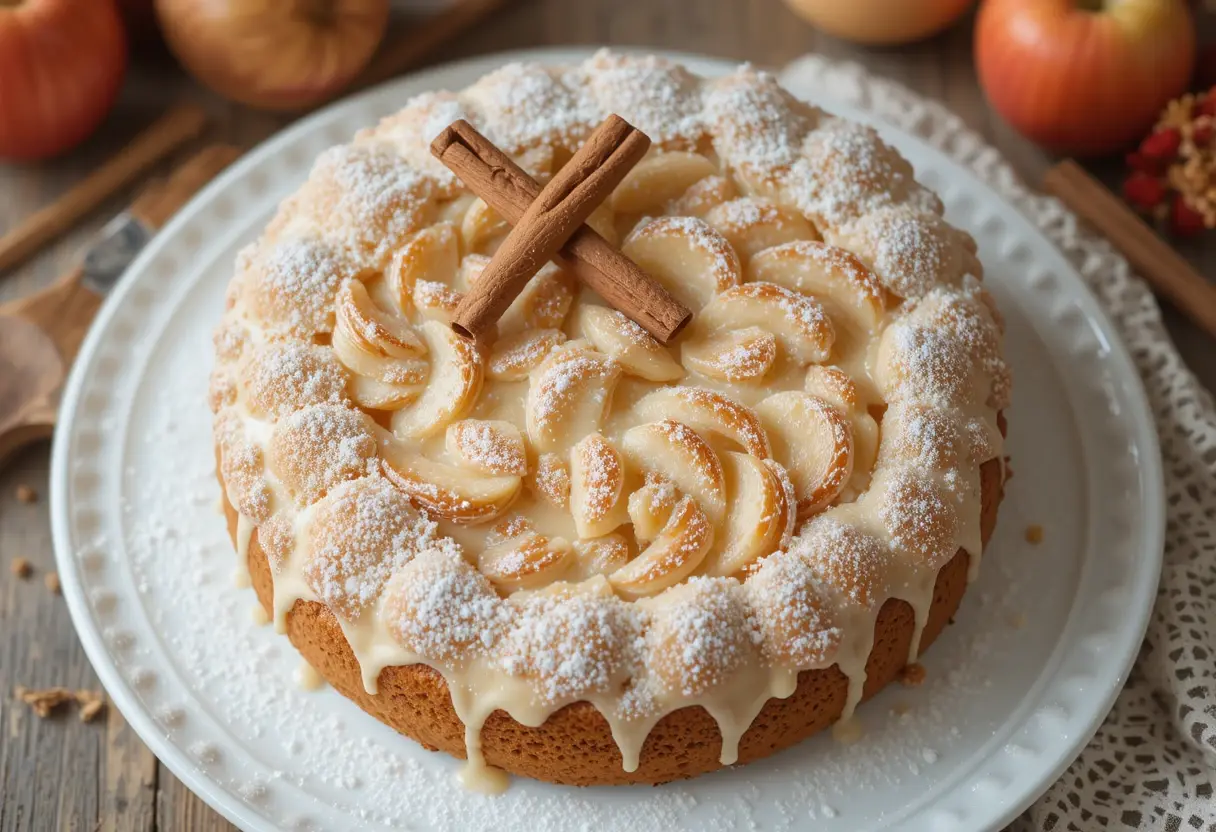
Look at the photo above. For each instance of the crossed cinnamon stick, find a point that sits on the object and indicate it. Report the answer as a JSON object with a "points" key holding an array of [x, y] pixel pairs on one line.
{"points": [[548, 225]]}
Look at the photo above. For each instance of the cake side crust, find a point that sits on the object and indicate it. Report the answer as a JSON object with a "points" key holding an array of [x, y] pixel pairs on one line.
{"points": [[575, 745]]}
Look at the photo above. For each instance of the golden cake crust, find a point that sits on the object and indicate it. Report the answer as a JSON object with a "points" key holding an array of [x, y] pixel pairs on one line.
{"points": [[574, 746]]}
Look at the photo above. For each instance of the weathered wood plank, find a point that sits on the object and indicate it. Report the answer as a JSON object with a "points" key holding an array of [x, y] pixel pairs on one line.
{"points": [[60, 774], [179, 808]]}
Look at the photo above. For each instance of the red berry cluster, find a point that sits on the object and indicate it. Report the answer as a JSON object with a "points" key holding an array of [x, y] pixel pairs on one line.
{"points": [[1173, 172]]}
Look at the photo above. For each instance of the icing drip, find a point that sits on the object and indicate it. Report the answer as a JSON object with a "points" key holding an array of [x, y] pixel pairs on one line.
{"points": [[577, 480], [308, 678]]}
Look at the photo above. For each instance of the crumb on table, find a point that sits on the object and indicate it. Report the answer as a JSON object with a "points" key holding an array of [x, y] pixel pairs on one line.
{"points": [[51, 579], [91, 703], [913, 675], [43, 702], [21, 568], [1034, 534], [26, 494]]}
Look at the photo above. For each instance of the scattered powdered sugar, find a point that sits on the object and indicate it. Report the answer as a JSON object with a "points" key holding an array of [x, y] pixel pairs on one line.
{"points": [[846, 171], [599, 473], [361, 534], [660, 98], [917, 433], [738, 355], [443, 609], [571, 377], [368, 198], [521, 105], [926, 365], [495, 448], [724, 268], [571, 647], [512, 357], [910, 250], [756, 122]]}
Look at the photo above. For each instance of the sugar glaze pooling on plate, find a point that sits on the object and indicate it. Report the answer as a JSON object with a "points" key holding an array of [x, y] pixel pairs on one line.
{"points": [[581, 534]]}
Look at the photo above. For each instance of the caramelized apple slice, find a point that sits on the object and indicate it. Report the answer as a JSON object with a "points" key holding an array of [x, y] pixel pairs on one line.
{"points": [[676, 452], [707, 411], [613, 334], [435, 301], [489, 446], [689, 258], [596, 482], [834, 277], [568, 397], [672, 556], [456, 494], [455, 382], [432, 254], [529, 561], [799, 323], [513, 357], [658, 179], [755, 520], [752, 223], [834, 386], [736, 356], [814, 442]]}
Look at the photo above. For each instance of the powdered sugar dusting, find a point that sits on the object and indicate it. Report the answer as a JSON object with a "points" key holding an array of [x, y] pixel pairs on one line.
{"points": [[360, 535], [793, 615], [700, 638], [443, 609], [283, 376], [292, 286], [572, 647], [845, 560], [315, 448]]}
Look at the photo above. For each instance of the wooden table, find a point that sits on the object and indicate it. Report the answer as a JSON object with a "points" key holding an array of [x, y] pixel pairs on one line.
{"points": [[60, 774]]}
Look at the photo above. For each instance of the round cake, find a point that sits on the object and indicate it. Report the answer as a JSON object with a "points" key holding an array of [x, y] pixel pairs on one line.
{"points": [[565, 550]]}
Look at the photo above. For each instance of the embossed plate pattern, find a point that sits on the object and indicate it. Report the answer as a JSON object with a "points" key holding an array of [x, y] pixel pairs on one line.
{"points": [[1040, 648]]}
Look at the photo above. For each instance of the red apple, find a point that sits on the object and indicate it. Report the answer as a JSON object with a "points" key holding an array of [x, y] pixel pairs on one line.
{"points": [[1083, 76], [880, 21], [274, 54], [61, 64]]}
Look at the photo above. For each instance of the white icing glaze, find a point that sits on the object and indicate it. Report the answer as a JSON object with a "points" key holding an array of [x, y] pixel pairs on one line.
{"points": [[583, 388]]}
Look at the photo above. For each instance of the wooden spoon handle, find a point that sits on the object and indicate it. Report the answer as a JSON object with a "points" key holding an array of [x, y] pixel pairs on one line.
{"points": [[171, 131], [58, 317], [65, 309]]}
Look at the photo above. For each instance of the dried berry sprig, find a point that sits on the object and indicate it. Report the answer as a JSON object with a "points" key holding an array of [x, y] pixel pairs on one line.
{"points": [[1173, 171]]}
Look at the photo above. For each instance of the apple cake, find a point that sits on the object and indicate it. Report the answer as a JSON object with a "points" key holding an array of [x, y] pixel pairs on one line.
{"points": [[569, 552]]}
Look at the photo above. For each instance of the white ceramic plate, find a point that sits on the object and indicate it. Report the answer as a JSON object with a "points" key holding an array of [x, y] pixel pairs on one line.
{"points": [[1041, 646]]}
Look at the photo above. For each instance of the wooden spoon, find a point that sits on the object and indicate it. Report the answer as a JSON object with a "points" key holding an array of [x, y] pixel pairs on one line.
{"points": [[41, 334]]}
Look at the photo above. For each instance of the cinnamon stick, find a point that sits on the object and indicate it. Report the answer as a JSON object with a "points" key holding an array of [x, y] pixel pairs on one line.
{"points": [[509, 190], [168, 133], [1150, 255], [560, 208]]}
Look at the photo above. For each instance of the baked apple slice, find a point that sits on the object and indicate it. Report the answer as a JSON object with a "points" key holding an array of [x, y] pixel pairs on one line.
{"points": [[814, 442], [455, 382]]}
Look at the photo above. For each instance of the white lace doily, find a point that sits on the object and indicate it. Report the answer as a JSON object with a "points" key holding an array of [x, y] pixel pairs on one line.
{"points": [[1152, 764]]}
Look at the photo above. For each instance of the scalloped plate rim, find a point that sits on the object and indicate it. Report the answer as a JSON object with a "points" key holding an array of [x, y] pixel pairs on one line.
{"points": [[240, 814]]}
